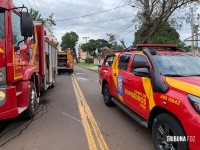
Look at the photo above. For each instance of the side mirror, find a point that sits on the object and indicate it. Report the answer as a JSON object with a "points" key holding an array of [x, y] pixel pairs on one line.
{"points": [[141, 64], [142, 72], [26, 24]]}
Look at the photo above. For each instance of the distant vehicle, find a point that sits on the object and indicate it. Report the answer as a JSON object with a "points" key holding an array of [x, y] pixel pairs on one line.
{"points": [[28, 62], [65, 61], [158, 85]]}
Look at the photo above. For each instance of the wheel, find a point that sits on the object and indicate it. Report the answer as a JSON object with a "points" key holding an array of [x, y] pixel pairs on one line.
{"points": [[33, 103], [106, 95], [165, 126]]}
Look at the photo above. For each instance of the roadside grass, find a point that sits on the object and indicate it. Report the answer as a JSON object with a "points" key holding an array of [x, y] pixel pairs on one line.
{"points": [[93, 67], [86, 65]]}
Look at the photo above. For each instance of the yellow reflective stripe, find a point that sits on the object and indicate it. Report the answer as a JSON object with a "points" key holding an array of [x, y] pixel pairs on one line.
{"points": [[90, 138], [148, 90], [115, 70], [183, 86], [1, 50], [88, 119]]}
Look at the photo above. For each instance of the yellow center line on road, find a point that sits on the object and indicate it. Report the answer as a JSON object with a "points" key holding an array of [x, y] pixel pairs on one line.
{"points": [[88, 118]]}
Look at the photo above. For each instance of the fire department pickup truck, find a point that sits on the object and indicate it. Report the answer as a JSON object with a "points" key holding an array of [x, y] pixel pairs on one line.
{"points": [[157, 85]]}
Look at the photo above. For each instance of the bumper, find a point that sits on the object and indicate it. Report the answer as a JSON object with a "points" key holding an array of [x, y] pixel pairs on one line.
{"points": [[8, 109], [193, 132]]}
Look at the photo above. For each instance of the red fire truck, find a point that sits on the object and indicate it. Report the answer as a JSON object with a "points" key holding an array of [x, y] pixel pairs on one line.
{"points": [[28, 61]]}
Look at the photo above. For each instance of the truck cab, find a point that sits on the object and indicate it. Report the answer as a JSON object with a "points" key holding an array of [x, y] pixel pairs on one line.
{"points": [[22, 62], [157, 85]]}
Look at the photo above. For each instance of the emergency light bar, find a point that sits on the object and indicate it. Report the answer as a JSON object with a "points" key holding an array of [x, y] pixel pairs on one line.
{"points": [[158, 45]]}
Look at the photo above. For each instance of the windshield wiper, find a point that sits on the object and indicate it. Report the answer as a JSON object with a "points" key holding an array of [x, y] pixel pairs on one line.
{"points": [[175, 75], [195, 75]]}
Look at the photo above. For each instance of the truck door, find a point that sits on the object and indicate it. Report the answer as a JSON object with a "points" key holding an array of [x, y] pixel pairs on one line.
{"points": [[122, 77], [21, 55], [138, 89]]}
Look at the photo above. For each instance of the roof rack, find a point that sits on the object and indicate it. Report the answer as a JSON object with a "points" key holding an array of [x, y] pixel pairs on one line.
{"points": [[161, 47]]}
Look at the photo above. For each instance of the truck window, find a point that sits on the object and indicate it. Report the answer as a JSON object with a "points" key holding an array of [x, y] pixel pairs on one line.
{"points": [[109, 60], [123, 62], [17, 37], [2, 24], [138, 58]]}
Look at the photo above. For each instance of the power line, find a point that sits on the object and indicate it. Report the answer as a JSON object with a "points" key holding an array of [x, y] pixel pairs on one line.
{"points": [[94, 13], [42, 8], [29, 4], [96, 21], [112, 15], [36, 5]]}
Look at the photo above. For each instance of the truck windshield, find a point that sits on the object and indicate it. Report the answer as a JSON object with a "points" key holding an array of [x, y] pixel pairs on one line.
{"points": [[2, 24], [178, 65]]}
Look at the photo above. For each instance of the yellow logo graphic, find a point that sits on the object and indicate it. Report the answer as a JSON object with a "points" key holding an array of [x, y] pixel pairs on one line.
{"points": [[1, 50]]}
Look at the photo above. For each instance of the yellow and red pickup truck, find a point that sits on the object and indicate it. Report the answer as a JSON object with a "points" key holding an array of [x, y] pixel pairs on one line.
{"points": [[158, 85]]}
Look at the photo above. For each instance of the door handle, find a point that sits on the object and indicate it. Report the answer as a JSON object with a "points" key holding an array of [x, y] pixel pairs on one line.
{"points": [[128, 79]]}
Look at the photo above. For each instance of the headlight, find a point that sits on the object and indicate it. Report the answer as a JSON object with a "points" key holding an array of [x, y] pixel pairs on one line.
{"points": [[195, 102], [2, 96], [1, 76]]}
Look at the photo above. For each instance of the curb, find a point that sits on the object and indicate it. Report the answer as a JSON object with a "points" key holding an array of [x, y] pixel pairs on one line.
{"points": [[88, 69], [92, 70]]}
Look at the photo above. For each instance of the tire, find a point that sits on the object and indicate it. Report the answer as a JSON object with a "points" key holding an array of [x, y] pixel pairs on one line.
{"points": [[106, 95], [33, 103], [166, 125]]}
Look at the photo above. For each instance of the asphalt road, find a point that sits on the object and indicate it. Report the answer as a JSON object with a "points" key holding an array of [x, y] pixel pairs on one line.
{"points": [[72, 116]]}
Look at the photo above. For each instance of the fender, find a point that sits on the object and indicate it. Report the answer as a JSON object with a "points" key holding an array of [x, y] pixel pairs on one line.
{"points": [[28, 73]]}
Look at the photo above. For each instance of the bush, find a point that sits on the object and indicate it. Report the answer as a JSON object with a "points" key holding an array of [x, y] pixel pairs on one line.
{"points": [[89, 61]]}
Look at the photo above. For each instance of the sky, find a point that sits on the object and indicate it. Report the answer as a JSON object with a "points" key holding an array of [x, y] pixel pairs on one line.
{"points": [[117, 21]]}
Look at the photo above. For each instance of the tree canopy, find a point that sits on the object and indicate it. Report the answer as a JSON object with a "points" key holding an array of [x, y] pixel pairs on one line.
{"points": [[93, 46], [165, 35], [113, 42], [38, 17], [69, 40], [153, 14]]}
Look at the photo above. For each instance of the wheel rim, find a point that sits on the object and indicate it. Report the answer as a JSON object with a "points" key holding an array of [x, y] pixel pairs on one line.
{"points": [[33, 99], [161, 136], [105, 95]]}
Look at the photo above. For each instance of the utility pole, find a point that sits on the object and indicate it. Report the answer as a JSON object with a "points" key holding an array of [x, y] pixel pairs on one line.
{"points": [[192, 28], [86, 42], [196, 37], [86, 38]]}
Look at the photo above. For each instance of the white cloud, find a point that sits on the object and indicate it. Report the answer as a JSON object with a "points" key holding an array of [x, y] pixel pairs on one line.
{"points": [[63, 9]]}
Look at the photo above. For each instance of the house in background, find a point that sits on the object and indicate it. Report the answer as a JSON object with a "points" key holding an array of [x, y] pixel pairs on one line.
{"points": [[83, 55]]}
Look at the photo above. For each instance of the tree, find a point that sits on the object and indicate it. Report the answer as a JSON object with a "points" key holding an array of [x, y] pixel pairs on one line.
{"points": [[113, 42], [69, 41], [38, 17], [90, 47], [153, 14], [51, 20], [165, 35], [93, 46], [182, 45]]}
